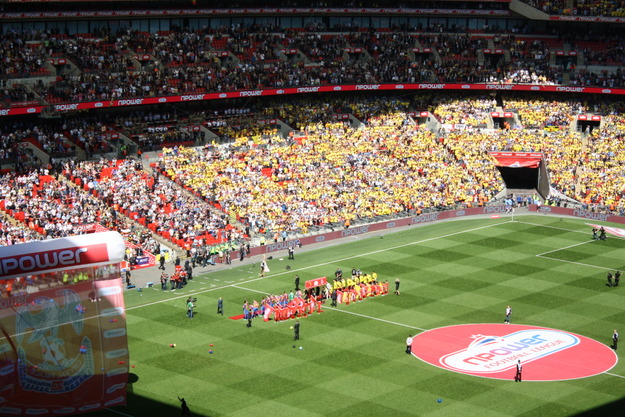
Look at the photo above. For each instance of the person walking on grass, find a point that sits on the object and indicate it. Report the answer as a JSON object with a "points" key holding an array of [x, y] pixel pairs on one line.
{"points": [[220, 306], [263, 267], [296, 330], [397, 282], [190, 307], [519, 371], [508, 314]]}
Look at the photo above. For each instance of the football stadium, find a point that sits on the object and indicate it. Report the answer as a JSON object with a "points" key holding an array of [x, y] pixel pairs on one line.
{"points": [[311, 208]]}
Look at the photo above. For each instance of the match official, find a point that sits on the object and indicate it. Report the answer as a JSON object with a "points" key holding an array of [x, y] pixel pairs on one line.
{"points": [[409, 345], [508, 314]]}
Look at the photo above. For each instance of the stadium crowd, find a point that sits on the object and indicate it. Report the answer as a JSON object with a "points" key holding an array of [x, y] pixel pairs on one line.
{"points": [[338, 172], [12, 148], [158, 204], [601, 174], [607, 8], [107, 64], [11, 234]]}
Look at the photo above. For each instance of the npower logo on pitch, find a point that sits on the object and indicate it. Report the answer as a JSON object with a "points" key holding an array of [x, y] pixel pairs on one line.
{"points": [[490, 354]]}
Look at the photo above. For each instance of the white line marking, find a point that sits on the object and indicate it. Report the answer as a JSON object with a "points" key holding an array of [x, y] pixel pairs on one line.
{"points": [[566, 247], [577, 263], [616, 375], [564, 229], [376, 318], [551, 227], [542, 255], [118, 412]]}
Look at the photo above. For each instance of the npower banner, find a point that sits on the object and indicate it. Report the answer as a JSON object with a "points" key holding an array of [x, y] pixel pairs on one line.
{"points": [[141, 101], [63, 341]]}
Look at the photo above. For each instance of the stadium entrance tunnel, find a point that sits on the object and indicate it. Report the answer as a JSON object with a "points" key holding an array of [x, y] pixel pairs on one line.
{"points": [[523, 171], [587, 125], [503, 120], [519, 178]]}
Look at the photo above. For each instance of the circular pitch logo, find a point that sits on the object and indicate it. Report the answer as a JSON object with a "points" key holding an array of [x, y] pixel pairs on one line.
{"points": [[492, 351]]}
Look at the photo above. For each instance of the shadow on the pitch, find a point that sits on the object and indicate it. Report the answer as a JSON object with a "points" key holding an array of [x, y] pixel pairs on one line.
{"points": [[613, 409]]}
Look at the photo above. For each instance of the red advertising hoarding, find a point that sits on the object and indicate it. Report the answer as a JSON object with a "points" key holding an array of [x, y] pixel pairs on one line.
{"points": [[67, 107]]}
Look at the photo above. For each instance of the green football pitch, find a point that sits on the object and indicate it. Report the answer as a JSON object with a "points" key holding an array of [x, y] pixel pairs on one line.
{"points": [[352, 359]]}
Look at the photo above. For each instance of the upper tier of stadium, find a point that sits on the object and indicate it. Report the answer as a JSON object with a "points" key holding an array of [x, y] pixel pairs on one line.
{"points": [[46, 68]]}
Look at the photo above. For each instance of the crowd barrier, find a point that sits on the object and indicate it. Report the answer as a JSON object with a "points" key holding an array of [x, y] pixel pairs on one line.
{"points": [[576, 212], [271, 248], [374, 227]]}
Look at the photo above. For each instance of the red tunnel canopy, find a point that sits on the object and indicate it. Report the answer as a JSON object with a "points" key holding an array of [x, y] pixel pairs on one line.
{"points": [[517, 159]]}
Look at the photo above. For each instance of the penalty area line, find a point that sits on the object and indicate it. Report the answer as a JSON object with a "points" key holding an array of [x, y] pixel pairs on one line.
{"points": [[565, 229], [119, 412], [576, 263], [566, 247]]}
